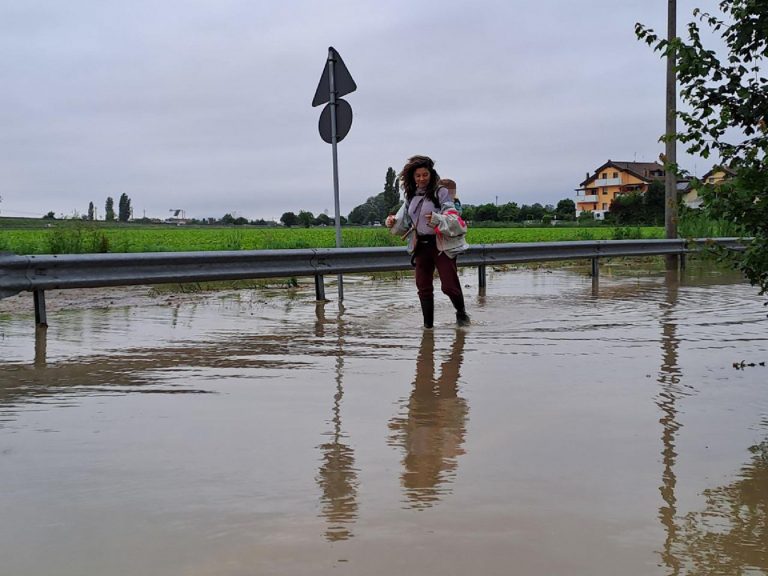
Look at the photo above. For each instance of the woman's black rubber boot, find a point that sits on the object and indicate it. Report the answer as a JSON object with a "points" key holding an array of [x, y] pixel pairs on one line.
{"points": [[428, 310], [462, 318]]}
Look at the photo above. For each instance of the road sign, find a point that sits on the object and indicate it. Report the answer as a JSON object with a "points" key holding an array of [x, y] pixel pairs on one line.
{"points": [[342, 80], [335, 122], [343, 121]]}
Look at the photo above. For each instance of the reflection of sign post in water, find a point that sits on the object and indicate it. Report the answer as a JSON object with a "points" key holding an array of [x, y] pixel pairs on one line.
{"points": [[335, 121]]}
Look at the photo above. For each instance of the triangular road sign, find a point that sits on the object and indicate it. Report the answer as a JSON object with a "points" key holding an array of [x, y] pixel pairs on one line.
{"points": [[342, 80]]}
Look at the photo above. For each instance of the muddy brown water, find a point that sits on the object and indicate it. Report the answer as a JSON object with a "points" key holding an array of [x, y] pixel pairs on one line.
{"points": [[564, 432]]}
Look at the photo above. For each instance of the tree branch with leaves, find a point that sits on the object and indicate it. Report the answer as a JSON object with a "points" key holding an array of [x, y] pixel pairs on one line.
{"points": [[727, 99]]}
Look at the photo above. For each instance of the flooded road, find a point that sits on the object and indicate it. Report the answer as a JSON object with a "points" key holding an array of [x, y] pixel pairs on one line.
{"points": [[564, 432]]}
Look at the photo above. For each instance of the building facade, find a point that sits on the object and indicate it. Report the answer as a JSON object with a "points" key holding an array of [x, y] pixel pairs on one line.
{"points": [[613, 179], [690, 195]]}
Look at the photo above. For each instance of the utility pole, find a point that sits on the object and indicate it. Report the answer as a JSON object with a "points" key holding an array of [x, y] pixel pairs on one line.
{"points": [[670, 180]]}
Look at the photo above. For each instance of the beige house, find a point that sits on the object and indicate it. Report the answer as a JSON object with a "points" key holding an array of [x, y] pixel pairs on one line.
{"points": [[690, 195]]}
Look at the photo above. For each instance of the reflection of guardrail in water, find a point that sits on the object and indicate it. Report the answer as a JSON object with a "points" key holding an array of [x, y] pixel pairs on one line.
{"points": [[39, 273]]}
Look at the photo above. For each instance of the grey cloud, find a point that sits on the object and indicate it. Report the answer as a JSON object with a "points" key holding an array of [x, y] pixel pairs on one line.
{"points": [[208, 105]]}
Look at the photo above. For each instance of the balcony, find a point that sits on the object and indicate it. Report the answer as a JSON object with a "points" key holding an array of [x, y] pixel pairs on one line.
{"points": [[608, 182], [590, 198]]}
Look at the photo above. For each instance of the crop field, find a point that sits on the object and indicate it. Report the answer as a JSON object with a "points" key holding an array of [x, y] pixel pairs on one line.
{"points": [[89, 238]]}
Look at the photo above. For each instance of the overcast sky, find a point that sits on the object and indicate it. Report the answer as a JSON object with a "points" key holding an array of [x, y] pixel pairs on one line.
{"points": [[205, 105]]}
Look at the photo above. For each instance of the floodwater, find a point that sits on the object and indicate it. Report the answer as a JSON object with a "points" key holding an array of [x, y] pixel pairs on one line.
{"points": [[567, 431]]}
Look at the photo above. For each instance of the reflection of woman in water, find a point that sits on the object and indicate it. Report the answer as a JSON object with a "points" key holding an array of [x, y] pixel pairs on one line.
{"points": [[433, 428]]}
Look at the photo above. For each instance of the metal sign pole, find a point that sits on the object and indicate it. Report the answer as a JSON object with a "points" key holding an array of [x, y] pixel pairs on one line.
{"points": [[332, 87]]}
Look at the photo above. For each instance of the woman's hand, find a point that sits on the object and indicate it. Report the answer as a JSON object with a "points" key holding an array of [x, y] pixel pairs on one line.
{"points": [[390, 221]]}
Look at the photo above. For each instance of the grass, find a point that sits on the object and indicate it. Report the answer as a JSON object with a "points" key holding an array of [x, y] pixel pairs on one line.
{"points": [[695, 224], [66, 237]]}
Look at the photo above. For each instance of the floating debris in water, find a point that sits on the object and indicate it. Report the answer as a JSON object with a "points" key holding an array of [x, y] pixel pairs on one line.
{"points": [[744, 364]]}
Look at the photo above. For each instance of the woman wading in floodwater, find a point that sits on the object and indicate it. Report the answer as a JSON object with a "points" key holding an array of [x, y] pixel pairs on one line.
{"points": [[425, 199]]}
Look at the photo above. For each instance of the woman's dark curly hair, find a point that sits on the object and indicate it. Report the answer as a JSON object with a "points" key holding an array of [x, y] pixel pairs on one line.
{"points": [[408, 182]]}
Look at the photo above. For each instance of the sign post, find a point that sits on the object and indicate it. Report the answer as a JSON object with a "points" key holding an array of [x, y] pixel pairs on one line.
{"points": [[335, 122]]}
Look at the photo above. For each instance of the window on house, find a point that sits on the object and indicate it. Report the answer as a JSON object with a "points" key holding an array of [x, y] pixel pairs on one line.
{"points": [[605, 206], [605, 192], [615, 175], [604, 175]]}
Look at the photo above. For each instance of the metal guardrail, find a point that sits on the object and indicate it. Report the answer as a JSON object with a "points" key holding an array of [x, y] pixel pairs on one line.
{"points": [[46, 272]]}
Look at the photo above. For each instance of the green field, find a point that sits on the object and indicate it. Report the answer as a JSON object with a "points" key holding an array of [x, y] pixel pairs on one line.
{"points": [[78, 238]]}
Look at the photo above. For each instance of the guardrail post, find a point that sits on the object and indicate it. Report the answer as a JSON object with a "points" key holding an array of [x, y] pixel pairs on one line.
{"points": [[41, 318], [481, 276], [595, 268], [682, 261], [319, 288], [41, 345]]}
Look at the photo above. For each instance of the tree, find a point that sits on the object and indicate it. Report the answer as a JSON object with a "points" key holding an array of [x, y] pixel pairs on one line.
{"points": [[124, 208], [654, 200], [228, 219], [566, 209], [50, 216], [391, 198], [305, 218], [534, 212], [487, 213], [586, 216], [289, 219], [509, 212], [91, 211], [727, 98], [628, 209], [323, 220], [109, 210], [376, 208], [469, 212], [364, 214]]}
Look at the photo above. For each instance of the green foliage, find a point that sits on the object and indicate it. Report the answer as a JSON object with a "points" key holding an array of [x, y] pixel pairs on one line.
{"points": [[534, 212], [391, 198], [124, 208], [81, 237], [487, 212], [639, 208], [654, 200], [628, 233], [699, 224], [306, 218], [586, 216], [76, 239], [289, 219], [509, 212], [109, 210], [234, 240], [566, 209], [49, 216], [376, 208], [627, 209], [323, 220], [728, 100]]}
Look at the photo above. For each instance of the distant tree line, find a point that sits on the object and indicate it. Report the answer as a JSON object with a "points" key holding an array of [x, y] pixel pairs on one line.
{"points": [[376, 208], [628, 209]]}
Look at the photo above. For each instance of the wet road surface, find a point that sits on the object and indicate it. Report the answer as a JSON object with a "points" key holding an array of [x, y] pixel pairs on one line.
{"points": [[564, 432]]}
